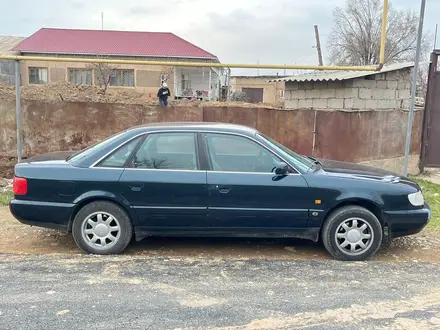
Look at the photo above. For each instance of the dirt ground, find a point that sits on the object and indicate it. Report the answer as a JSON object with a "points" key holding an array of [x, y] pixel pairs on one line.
{"points": [[432, 175], [395, 165], [22, 239], [64, 91], [7, 167]]}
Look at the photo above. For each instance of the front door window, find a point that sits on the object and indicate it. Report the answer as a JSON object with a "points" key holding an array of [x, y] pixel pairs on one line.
{"points": [[230, 153]]}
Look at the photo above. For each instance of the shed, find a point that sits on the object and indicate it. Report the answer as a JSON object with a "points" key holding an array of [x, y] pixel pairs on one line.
{"points": [[388, 89]]}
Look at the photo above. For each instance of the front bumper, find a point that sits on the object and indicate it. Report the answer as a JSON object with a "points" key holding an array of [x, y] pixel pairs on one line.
{"points": [[42, 214], [410, 222]]}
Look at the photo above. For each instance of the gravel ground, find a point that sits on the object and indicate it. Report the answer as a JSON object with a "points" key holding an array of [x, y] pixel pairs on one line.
{"points": [[78, 292], [186, 283]]}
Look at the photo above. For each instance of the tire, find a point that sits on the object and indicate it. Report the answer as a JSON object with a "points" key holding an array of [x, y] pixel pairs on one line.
{"points": [[95, 232], [339, 241]]}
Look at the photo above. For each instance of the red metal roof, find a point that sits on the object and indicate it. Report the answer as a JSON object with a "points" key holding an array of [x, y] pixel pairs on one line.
{"points": [[105, 42]]}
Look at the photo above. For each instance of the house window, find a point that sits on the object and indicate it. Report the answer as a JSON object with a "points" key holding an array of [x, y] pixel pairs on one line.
{"points": [[186, 83], [80, 76], [122, 78], [282, 94], [38, 76]]}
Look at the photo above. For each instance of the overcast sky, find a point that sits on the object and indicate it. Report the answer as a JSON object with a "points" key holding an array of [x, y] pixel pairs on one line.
{"points": [[245, 31]]}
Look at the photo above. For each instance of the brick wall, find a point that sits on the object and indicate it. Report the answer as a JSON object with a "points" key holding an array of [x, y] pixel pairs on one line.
{"points": [[386, 91]]}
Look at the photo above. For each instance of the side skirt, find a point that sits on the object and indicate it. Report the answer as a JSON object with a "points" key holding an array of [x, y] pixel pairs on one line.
{"points": [[308, 234]]}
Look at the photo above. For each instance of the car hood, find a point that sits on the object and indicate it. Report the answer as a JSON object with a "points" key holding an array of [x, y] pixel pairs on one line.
{"points": [[357, 171], [332, 166], [51, 157]]}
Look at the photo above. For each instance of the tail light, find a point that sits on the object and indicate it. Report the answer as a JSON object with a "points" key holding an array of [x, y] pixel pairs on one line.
{"points": [[19, 186]]}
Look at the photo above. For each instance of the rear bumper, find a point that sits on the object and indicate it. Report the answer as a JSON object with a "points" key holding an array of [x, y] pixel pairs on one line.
{"points": [[42, 214], [404, 223]]}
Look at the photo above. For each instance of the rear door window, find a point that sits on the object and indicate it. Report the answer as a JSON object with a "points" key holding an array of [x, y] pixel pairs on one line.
{"points": [[172, 151]]}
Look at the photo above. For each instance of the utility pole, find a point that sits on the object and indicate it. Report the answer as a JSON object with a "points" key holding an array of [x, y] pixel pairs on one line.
{"points": [[413, 89], [435, 36], [102, 20], [318, 46]]}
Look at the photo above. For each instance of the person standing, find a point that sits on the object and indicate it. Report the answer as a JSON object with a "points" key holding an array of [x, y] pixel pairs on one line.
{"points": [[163, 94]]}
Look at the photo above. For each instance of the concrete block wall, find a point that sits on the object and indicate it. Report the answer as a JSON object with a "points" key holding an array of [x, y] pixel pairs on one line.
{"points": [[385, 91]]}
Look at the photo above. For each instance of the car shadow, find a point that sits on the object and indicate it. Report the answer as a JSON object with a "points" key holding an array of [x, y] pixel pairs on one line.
{"points": [[243, 248]]}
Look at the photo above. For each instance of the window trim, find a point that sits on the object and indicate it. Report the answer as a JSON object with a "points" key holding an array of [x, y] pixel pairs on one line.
{"points": [[119, 148], [296, 171], [130, 166], [211, 168], [38, 68]]}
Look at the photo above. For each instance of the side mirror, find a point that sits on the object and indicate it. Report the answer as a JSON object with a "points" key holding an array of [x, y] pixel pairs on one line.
{"points": [[281, 168]]}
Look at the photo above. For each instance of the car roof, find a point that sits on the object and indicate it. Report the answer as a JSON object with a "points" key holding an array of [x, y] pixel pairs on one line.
{"points": [[197, 126]]}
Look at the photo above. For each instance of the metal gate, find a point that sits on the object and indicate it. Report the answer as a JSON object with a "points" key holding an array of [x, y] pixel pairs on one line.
{"points": [[254, 95], [430, 156]]}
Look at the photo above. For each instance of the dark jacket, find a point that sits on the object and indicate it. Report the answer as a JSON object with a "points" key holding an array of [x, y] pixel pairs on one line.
{"points": [[163, 93]]}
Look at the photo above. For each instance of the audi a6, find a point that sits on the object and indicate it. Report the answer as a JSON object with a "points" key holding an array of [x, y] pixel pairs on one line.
{"points": [[214, 180]]}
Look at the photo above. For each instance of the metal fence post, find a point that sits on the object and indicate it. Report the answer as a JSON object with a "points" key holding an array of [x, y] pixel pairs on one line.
{"points": [[314, 134], [18, 111], [176, 83], [228, 86], [210, 85]]}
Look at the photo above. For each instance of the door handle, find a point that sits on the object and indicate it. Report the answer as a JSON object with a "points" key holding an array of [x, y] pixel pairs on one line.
{"points": [[136, 187], [222, 190]]}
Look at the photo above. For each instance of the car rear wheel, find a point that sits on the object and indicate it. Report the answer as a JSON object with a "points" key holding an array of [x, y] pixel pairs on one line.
{"points": [[102, 228], [352, 233]]}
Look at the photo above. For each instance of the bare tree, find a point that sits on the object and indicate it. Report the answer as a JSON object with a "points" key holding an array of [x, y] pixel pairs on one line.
{"points": [[422, 84], [240, 96], [355, 38], [103, 74], [166, 73]]}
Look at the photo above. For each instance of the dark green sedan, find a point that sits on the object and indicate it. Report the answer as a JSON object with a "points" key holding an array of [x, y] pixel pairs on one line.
{"points": [[213, 179]]}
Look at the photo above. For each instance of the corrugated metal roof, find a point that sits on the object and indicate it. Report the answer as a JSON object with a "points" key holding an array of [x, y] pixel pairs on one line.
{"points": [[106, 42], [261, 77], [342, 75], [6, 43]]}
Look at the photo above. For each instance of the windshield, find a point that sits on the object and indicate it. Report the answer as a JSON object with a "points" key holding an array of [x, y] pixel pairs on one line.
{"points": [[89, 150], [300, 162]]}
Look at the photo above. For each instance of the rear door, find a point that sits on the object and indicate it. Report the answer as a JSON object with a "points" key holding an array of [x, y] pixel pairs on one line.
{"points": [[245, 196], [164, 183]]}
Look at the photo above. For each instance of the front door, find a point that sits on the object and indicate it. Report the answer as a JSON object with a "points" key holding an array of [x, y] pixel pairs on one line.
{"points": [[165, 185], [245, 195]]}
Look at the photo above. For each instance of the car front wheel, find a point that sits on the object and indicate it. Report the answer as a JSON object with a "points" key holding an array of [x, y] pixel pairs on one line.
{"points": [[102, 228], [352, 233]]}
